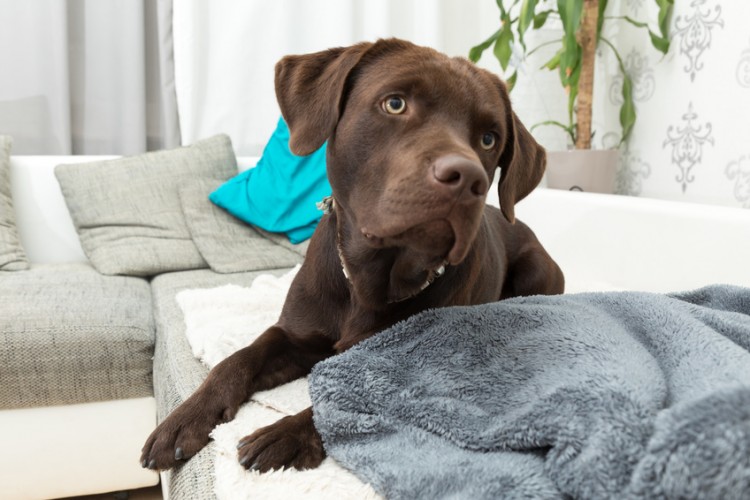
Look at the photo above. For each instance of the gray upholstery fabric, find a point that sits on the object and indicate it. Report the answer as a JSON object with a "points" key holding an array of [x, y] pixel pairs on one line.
{"points": [[12, 256], [177, 374], [281, 239], [127, 211], [71, 335], [228, 244]]}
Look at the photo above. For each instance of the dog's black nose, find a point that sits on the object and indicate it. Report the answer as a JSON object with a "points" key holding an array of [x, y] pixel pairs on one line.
{"points": [[461, 174]]}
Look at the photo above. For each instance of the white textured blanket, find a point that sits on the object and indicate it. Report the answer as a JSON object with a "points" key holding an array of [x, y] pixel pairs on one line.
{"points": [[220, 321]]}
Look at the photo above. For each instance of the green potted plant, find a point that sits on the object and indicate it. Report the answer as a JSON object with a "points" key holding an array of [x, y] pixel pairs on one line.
{"points": [[582, 22]]}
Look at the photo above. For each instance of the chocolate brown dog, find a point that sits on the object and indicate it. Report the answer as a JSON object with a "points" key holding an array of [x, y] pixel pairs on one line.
{"points": [[414, 139]]}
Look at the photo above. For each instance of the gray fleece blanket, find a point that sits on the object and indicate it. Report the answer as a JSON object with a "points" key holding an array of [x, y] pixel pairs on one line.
{"points": [[599, 395]]}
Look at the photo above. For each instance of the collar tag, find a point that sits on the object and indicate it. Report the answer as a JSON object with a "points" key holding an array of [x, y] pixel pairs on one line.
{"points": [[326, 205]]}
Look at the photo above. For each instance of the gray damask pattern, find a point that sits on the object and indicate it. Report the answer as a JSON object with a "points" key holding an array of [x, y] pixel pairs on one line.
{"points": [[687, 145], [633, 170], [609, 140], [739, 172], [642, 76], [743, 69], [695, 33], [634, 5]]}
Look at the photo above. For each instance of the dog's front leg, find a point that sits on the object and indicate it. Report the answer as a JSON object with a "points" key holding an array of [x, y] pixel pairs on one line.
{"points": [[273, 359], [290, 442]]}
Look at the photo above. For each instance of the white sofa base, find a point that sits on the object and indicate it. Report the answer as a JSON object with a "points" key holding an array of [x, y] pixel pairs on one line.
{"points": [[607, 242], [57, 451]]}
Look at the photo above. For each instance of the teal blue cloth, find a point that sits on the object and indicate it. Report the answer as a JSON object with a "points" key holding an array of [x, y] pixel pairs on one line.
{"points": [[281, 192]]}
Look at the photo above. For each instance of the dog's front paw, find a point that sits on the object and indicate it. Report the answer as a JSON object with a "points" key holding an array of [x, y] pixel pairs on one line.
{"points": [[290, 442], [182, 434]]}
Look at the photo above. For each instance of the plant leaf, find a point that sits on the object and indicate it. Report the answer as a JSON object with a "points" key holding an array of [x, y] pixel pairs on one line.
{"points": [[502, 45], [570, 60], [525, 18], [665, 12], [500, 6], [570, 14], [627, 110], [567, 128], [511, 82], [660, 43], [637, 24], [573, 91], [554, 62], [476, 52], [541, 18], [545, 44]]}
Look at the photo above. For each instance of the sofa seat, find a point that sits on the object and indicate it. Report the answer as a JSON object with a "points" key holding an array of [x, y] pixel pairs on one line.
{"points": [[177, 373], [70, 335]]}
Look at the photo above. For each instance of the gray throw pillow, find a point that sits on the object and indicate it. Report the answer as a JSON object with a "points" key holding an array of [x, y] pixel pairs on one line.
{"points": [[127, 211], [283, 240], [12, 256], [228, 244]]}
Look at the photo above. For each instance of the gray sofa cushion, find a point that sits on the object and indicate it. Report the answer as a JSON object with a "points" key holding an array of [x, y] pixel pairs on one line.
{"points": [[127, 211], [177, 374], [12, 256], [228, 244], [71, 335], [281, 239]]}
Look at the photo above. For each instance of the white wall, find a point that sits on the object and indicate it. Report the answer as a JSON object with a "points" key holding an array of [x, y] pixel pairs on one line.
{"points": [[692, 138]]}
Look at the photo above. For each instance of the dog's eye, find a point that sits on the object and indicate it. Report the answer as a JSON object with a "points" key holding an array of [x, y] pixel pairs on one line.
{"points": [[394, 105], [488, 141]]}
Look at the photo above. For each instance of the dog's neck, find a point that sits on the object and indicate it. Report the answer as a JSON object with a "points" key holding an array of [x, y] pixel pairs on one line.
{"points": [[402, 264]]}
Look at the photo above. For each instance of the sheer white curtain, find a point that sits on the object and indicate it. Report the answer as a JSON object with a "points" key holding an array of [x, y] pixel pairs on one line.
{"points": [[86, 76], [225, 50]]}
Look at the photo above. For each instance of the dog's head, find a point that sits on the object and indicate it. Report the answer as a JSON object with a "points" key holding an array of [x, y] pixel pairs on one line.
{"points": [[414, 138]]}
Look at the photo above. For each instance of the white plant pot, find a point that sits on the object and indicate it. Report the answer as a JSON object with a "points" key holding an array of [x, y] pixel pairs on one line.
{"points": [[588, 170]]}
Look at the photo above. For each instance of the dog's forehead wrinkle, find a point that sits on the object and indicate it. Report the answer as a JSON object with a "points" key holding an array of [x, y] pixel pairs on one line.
{"points": [[471, 106], [454, 79]]}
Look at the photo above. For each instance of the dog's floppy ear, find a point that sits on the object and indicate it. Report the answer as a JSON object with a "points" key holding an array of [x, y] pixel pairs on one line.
{"points": [[309, 89], [522, 162]]}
